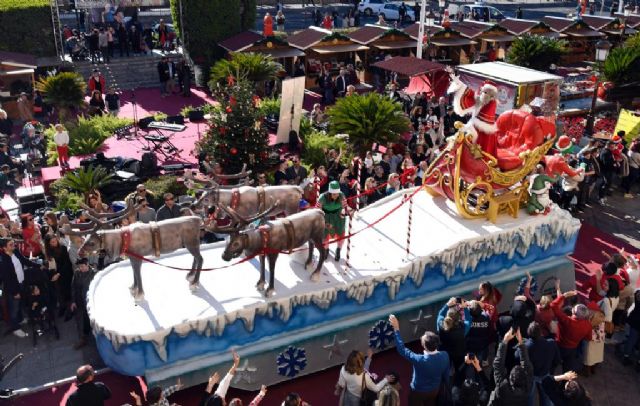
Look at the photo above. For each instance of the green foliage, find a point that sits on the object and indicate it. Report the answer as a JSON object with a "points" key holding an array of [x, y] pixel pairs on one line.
{"points": [[270, 107], [64, 198], [536, 52], [186, 110], [25, 26], [622, 65], [316, 145], [633, 41], [235, 136], [64, 91], [207, 22], [305, 128], [367, 119], [210, 108], [87, 135], [85, 180], [165, 184], [249, 66], [160, 116]]}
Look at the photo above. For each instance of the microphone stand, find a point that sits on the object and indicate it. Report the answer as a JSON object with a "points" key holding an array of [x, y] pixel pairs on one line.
{"points": [[135, 113]]}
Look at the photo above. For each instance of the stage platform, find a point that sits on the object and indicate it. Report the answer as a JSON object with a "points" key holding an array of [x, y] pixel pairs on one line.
{"points": [[310, 326]]}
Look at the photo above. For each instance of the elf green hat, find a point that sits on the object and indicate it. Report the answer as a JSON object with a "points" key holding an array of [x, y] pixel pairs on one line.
{"points": [[334, 187]]}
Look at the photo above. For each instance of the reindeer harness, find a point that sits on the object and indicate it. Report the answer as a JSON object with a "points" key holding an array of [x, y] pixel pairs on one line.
{"points": [[125, 235], [265, 234], [235, 198]]}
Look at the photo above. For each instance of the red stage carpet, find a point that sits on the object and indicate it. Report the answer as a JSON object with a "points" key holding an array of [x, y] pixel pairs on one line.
{"points": [[318, 388]]}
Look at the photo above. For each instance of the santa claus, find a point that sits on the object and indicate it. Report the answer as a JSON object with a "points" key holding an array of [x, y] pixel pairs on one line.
{"points": [[482, 107]]}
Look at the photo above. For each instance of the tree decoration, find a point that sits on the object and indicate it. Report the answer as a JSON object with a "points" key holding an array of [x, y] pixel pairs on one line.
{"points": [[236, 135], [291, 361]]}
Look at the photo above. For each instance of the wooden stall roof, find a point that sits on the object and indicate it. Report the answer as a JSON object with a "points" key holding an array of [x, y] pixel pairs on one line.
{"points": [[382, 37], [241, 41], [340, 48], [309, 37], [19, 60], [475, 29], [519, 26], [368, 33], [396, 44], [574, 28], [276, 47], [632, 21], [409, 65], [599, 22], [413, 29]]}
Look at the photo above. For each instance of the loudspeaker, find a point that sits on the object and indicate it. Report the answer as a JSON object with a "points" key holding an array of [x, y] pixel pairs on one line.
{"points": [[31, 199], [148, 164], [143, 123], [196, 115], [175, 119]]}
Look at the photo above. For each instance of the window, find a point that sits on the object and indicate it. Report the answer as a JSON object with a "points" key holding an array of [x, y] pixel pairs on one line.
{"points": [[495, 14]]}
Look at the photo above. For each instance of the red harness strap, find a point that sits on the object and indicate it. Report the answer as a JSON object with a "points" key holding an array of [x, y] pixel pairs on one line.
{"points": [[264, 233], [125, 234], [235, 198]]}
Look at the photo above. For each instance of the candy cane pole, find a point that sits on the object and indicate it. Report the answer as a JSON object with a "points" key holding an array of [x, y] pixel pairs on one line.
{"points": [[347, 258], [317, 182], [409, 224], [358, 182]]}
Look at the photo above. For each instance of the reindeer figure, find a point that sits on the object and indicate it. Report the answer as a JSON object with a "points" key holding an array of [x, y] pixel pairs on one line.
{"points": [[282, 234], [139, 240]]}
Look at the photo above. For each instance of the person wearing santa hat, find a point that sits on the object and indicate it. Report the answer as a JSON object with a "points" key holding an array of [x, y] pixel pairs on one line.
{"points": [[482, 107], [556, 164]]}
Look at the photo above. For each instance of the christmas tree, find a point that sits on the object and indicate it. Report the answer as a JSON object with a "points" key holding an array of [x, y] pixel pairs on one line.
{"points": [[236, 134]]}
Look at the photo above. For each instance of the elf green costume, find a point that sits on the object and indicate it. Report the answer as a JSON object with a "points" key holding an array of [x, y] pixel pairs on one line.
{"points": [[332, 204]]}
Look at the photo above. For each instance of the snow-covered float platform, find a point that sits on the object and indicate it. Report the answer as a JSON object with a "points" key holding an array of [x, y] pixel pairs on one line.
{"points": [[310, 326]]}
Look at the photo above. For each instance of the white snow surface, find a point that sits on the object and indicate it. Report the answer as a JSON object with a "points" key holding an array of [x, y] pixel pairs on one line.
{"points": [[378, 255]]}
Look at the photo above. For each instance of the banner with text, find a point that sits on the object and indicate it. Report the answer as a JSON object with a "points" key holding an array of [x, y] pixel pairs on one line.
{"points": [[80, 4], [506, 93]]}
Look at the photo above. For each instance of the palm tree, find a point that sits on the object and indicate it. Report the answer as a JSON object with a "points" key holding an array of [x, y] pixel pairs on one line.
{"points": [[253, 67], [622, 65], [367, 119], [64, 91], [536, 52], [86, 180]]}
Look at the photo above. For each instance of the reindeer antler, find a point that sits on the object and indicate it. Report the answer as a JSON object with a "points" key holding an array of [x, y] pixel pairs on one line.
{"points": [[242, 174], [78, 231], [244, 221], [119, 216]]}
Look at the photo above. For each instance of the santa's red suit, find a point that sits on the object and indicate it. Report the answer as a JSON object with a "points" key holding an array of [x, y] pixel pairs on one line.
{"points": [[482, 124], [556, 165]]}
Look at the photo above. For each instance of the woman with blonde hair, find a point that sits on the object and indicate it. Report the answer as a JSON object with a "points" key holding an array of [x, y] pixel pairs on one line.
{"points": [[453, 324], [354, 378]]}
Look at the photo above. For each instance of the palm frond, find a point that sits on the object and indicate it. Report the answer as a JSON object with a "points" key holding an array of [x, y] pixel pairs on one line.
{"points": [[254, 67]]}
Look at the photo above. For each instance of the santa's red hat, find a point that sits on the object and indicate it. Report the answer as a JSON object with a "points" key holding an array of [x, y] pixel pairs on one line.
{"points": [[616, 138], [564, 144], [489, 85]]}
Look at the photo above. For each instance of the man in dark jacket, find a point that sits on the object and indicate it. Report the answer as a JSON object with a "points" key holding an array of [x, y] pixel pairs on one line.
{"points": [[545, 357], [80, 282], [296, 173], [169, 210], [14, 277], [607, 169], [479, 336], [513, 388], [89, 392], [163, 75]]}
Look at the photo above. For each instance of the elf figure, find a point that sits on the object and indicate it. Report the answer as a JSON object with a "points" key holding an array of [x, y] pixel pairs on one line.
{"points": [[333, 203], [556, 164]]}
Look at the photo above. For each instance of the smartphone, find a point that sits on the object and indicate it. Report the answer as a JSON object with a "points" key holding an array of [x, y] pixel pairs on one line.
{"points": [[471, 356], [458, 300]]}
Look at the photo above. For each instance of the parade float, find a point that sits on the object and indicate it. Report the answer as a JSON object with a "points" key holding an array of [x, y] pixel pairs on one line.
{"points": [[406, 254]]}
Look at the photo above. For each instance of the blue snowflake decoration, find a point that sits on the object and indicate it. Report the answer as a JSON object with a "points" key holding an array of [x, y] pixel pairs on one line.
{"points": [[291, 361], [381, 335], [533, 288]]}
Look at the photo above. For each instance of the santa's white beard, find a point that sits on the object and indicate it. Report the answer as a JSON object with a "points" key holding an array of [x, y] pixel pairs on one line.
{"points": [[481, 100]]}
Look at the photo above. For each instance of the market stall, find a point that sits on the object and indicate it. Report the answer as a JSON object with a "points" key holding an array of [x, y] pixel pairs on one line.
{"points": [[324, 48], [580, 36], [492, 39], [443, 45], [610, 26], [518, 27], [382, 41], [516, 85], [417, 75], [276, 47], [17, 74]]}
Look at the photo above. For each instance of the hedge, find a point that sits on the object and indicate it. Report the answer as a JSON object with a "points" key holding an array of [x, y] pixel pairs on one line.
{"points": [[208, 22], [25, 26]]}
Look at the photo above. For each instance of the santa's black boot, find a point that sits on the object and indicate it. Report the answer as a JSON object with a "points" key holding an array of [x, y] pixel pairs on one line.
{"points": [[337, 256]]}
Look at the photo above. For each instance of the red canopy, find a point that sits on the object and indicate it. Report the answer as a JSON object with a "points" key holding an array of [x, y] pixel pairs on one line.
{"points": [[422, 83]]}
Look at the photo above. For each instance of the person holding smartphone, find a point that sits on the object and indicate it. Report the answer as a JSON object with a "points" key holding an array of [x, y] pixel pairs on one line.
{"points": [[453, 324]]}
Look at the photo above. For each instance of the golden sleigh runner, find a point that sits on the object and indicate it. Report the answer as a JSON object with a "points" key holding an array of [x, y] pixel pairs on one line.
{"points": [[473, 179]]}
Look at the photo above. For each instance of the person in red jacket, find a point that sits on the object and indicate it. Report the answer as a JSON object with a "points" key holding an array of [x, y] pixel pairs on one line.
{"points": [[571, 330], [97, 82]]}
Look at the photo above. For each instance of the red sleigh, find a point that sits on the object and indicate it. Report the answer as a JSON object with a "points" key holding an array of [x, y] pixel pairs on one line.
{"points": [[482, 185]]}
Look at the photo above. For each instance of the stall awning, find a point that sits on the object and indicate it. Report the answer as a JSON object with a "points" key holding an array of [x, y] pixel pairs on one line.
{"points": [[396, 45], [409, 65], [16, 72], [585, 33], [499, 38], [452, 42], [336, 49], [627, 31], [283, 52]]}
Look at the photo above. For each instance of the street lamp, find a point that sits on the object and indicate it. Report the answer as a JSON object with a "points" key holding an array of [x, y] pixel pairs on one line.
{"points": [[442, 4], [602, 51], [627, 12]]}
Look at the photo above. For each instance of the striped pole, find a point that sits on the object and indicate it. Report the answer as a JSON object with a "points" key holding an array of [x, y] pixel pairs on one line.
{"points": [[317, 182], [358, 182], [347, 263], [409, 224], [358, 178]]}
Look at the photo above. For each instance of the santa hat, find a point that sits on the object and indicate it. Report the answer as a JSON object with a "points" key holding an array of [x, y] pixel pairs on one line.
{"points": [[489, 85], [616, 139], [564, 144]]}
